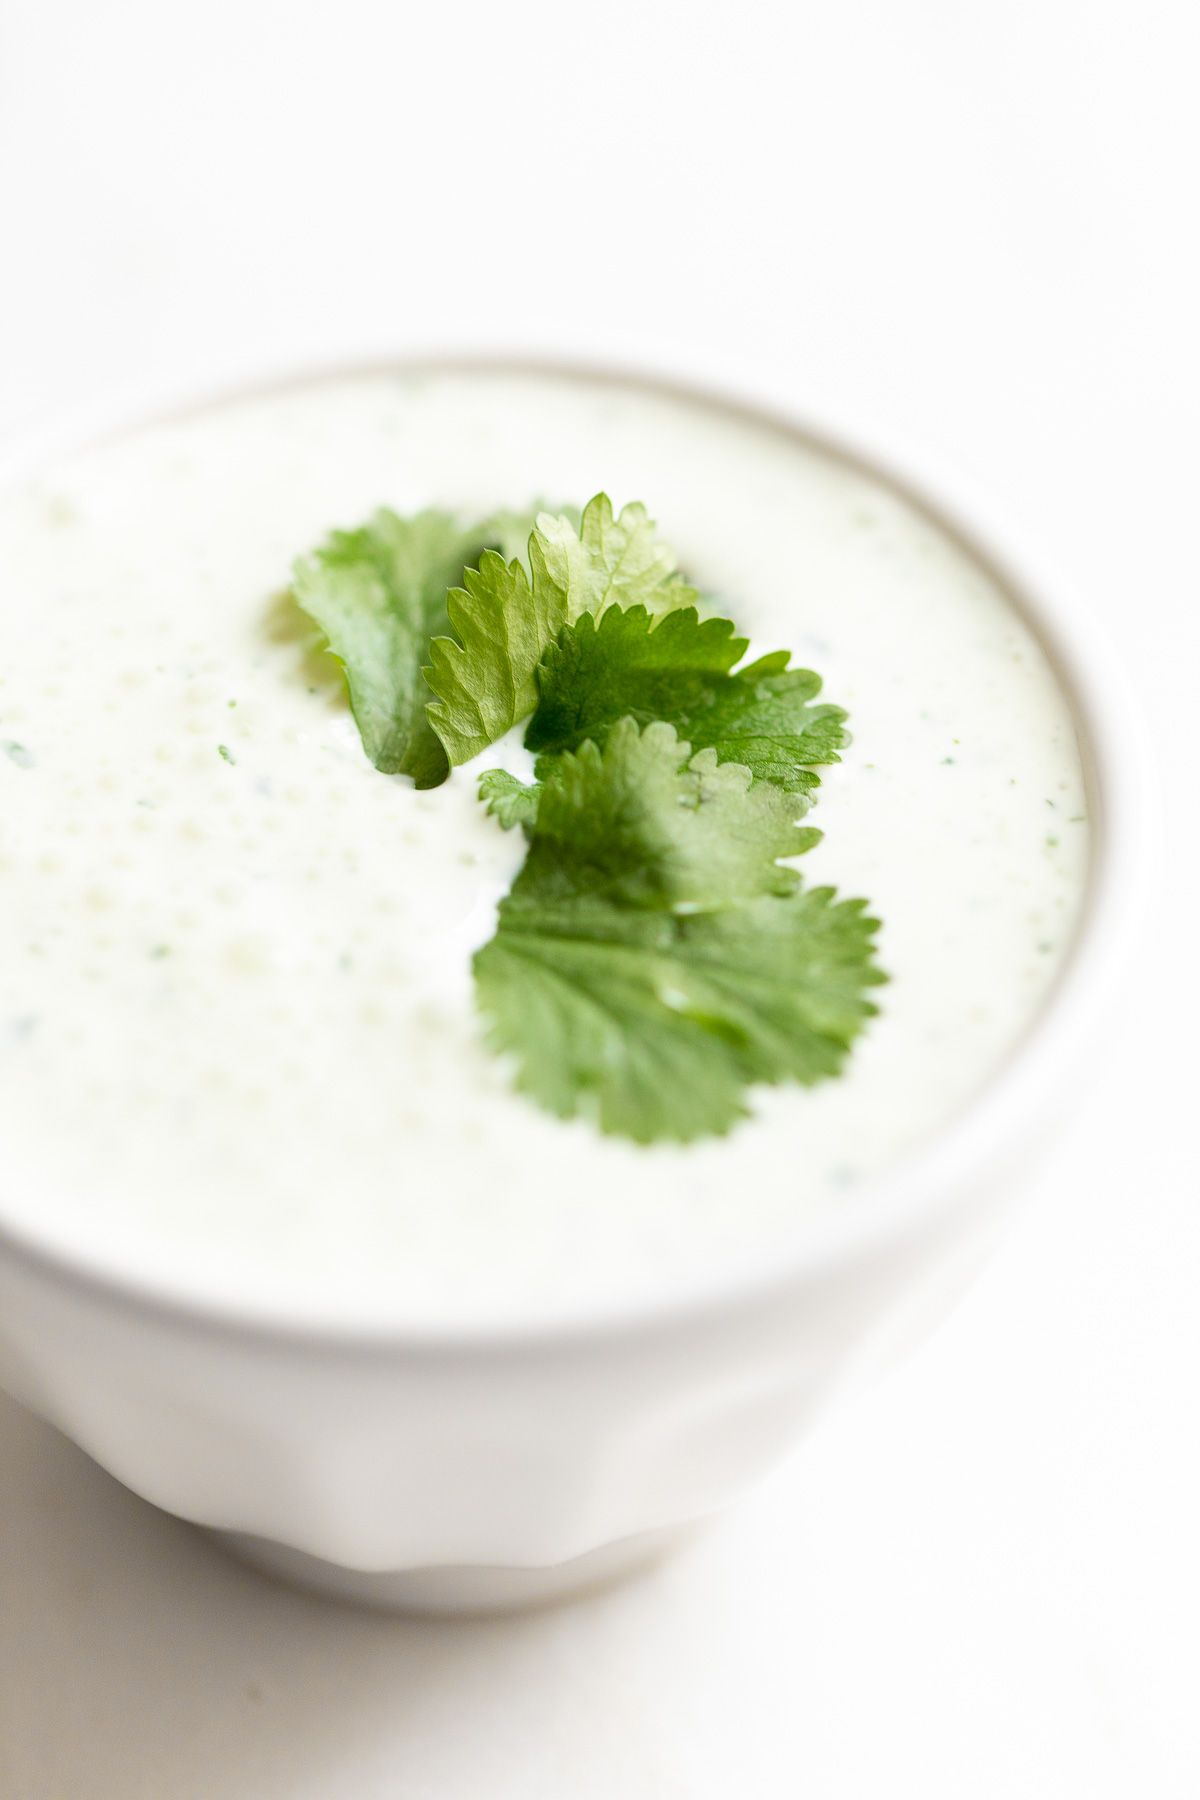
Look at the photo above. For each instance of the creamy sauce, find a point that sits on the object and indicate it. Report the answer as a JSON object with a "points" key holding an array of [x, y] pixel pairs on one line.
{"points": [[238, 1050]]}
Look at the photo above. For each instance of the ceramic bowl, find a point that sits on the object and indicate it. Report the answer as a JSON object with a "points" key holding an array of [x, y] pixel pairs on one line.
{"points": [[477, 1470]]}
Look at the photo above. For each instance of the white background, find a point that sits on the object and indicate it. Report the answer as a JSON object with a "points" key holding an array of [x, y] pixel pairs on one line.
{"points": [[976, 225]]}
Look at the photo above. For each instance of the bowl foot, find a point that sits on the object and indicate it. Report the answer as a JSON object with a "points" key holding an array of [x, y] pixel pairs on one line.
{"points": [[455, 1591]]}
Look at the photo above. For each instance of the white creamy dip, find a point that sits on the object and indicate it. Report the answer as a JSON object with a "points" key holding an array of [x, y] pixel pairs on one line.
{"points": [[238, 1048]]}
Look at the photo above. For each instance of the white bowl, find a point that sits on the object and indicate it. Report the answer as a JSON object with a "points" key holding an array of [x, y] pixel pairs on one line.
{"points": [[474, 1470]]}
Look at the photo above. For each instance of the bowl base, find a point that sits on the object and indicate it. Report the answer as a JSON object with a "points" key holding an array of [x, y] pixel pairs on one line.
{"points": [[449, 1592]]}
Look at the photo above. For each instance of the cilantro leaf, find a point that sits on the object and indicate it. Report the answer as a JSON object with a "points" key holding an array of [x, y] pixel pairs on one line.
{"points": [[482, 677], [609, 560], [645, 823], [654, 1024], [762, 717], [681, 669], [504, 616], [635, 983], [509, 801], [379, 596]]}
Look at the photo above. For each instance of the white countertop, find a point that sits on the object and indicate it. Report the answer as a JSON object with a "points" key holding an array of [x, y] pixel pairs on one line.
{"points": [[972, 225]]}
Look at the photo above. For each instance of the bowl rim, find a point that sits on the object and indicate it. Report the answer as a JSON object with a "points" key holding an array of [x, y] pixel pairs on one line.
{"points": [[939, 1175]]}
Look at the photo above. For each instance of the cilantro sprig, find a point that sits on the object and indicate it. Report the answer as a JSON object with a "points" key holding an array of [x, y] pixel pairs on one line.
{"points": [[655, 957], [657, 954]]}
